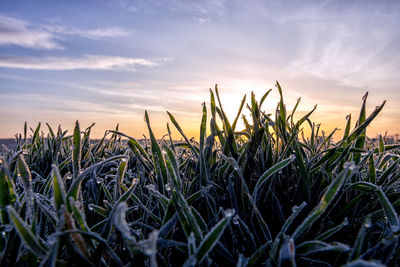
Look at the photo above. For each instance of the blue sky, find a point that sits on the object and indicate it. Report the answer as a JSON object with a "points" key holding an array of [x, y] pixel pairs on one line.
{"points": [[108, 61]]}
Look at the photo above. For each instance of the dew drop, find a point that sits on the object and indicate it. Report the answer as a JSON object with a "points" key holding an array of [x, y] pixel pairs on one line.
{"points": [[229, 212], [191, 239], [138, 232], [168, 187], [235, 220], [191, 261], [151, 187], [295, 208], [367, 224], [147, 247], [8, 228], [51, 239]]}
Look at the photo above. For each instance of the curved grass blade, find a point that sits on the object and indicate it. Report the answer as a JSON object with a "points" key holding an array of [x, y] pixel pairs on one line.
{"points": [[173, 168], [75, 187], [360, 141], [58, 188], [326, 199], [158, 159], [7, 189], [359, 242], [360, 129], [390, 212], [211, 239], [176, 124], [274, 169], [238, 113], [96, 237], [258, 253], [119, 220], [333, 230], [25, 174], [315, 246], [25, 234]]}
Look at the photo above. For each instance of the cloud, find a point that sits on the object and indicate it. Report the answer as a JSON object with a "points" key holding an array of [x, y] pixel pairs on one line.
{"points": [[353, 46], [89, 62], [108, 32], [200, 10], [18, 32]]}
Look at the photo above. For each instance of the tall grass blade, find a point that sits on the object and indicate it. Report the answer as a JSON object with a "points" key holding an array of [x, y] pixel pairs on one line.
{"points": [[77, 150], [211, 239], [25, 234]]}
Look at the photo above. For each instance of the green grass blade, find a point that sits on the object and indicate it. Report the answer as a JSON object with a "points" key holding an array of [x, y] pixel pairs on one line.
{"points": [[7, 189], [176, 124], [360, 142], [333, 230], [359, 242], [238, 113], [211, 239], [76, 151], [274, 169], [25, 174], [173, 169], [122, 167], [158, 159], [264, 97], [392, 217], [119, 220], [259, 253], [75, 187], [330, 193], [25, 234], [314, 246], [361, 128], [58, 188]]}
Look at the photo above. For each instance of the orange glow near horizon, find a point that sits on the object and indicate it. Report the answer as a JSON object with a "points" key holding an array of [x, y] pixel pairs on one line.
{"points": [[330, 117]]}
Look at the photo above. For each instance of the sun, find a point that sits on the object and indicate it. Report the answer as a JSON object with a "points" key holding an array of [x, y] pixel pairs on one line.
{"points": [[232, 94]]}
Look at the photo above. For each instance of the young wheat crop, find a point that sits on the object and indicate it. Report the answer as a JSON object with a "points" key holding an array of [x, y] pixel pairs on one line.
{"points": [[266, 195]]}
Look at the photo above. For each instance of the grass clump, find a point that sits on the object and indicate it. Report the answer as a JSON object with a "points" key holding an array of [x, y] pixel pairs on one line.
{"points": [[266, 195]]}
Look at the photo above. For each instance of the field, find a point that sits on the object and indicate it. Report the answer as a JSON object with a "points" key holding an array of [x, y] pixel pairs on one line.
{"points": [[264, 196]]}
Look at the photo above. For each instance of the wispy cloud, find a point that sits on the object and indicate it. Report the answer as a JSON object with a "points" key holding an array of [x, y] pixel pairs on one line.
{"points": [[89, 62], [108, 32], [353, 47], [201, 11], [14, 31], [19, 32]]}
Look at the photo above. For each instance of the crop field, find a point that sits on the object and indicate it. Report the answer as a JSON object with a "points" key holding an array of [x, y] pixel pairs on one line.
{"points": [[267, 195]]}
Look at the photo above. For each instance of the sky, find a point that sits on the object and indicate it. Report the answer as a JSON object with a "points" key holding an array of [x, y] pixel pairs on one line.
{"points": [[109, 61]]}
